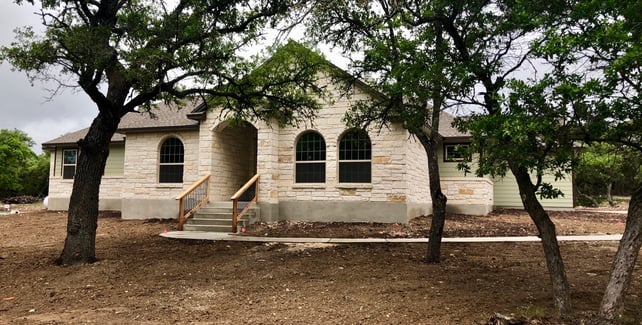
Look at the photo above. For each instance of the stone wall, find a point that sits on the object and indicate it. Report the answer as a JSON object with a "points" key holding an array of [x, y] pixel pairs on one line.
{"points": [[142, 195], [468, 195], [418, 185], [385, 198], [110, 189], [142, 161]]}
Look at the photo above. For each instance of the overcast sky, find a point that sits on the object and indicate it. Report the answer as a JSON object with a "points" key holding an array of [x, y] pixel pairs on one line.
{"points": [[28, 108], [32, 109]]}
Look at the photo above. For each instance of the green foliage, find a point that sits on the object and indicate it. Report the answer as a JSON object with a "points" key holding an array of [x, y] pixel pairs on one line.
{"points": [[15, 158], [283, 100], [402, 64], [35, 178], [596, 53], [601, 164]]}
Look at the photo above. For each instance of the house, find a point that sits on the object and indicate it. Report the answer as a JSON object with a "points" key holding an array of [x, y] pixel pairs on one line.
{"points": [[319, 172]]}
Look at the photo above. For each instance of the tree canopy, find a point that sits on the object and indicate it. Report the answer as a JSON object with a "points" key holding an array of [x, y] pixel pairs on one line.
{"points": [[126, 55], [15, 156]]}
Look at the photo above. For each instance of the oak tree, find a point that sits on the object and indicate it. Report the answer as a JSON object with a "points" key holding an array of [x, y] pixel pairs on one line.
{"points": [[127, 54], [406, 65]]}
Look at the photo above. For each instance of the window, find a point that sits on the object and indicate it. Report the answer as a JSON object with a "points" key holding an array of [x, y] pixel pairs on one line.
{"points": [[355, 153], [310, 159], [455, 152], [171, 161], [69, 158]]}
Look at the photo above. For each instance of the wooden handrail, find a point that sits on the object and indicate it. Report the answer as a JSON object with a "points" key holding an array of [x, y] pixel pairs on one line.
{"points": [[188, 193], [193, 187], [245, 187], [235, 199]]}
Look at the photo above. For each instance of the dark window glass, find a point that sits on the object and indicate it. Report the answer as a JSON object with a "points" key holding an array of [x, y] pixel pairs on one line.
{"points": [[310, 159], [354, 172], [172, 156], [310, 172], [171, 174], [311, 146], [69, 158], [355, 153], [455, 152]]}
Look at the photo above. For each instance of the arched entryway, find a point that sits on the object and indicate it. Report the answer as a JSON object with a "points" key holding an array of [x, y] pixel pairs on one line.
{"points": [[233, 158]]}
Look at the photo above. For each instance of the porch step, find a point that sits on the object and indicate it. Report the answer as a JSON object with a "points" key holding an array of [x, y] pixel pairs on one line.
{"points": [[217, 217]]}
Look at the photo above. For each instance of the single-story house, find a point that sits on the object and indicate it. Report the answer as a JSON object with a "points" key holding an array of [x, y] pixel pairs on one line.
{"points": [[323, 171]]}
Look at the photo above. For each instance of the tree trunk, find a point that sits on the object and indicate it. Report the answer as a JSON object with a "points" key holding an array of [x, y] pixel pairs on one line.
{"points": [[546, 230], [623, 262], [609, 196], [82, 221], [430, 144], [438, 198]]}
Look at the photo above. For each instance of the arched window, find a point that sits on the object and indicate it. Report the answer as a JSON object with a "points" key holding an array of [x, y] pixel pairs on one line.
{"points": [[355, 154], [171, 161], [310, 159]]}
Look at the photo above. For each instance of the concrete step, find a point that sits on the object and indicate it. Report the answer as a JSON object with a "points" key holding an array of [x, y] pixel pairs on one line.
{"points": [[219, 210], [217, 217], [212, 225], [207, 228]]}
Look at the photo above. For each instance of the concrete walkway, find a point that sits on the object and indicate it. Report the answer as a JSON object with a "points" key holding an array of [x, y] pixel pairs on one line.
{"points": [[199, 235]]}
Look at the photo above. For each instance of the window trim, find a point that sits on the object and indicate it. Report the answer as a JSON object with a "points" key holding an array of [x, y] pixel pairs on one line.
{"points": [[363, 161], [298, 162], [160, 163], [65, 164], [447, 158]]}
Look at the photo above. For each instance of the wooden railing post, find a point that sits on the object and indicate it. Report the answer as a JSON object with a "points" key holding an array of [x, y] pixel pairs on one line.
{"points": [[181, 213], [236, 215]]}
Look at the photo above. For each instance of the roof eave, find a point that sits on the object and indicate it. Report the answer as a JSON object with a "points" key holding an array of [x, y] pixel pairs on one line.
{"points": [[54, 145], [457, 139], [150, 129]]}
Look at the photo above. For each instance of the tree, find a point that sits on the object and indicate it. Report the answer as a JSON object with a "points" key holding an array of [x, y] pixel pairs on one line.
{"points": [[604, 168], [407, 68], [596, 55], [490, 39], [127, 54], [15, 154], [35, 178]]}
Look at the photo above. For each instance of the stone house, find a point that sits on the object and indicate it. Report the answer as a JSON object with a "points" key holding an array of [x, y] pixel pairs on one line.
{"points": [[319, 172]]}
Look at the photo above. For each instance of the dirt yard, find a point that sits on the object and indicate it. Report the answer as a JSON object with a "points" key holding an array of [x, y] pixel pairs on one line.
{"points": [[142, 278]]}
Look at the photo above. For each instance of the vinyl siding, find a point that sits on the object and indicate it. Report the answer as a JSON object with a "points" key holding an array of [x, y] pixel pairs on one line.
{"points": [[507, 192], [115, 162], [449, 168]]}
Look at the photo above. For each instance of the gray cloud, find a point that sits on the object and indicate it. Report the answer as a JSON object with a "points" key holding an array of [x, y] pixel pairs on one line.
{"points": [[31, 108]]}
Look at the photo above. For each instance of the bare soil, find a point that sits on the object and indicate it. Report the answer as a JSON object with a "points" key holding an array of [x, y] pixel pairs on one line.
{"points": [[142, 278]]}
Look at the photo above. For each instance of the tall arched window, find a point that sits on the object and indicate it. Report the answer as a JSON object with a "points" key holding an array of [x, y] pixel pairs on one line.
{"points": [[310, 159], [171, 161], [355, 154]]}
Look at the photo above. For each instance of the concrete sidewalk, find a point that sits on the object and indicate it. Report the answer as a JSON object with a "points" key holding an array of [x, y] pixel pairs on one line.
{"points": [[198, 235]]}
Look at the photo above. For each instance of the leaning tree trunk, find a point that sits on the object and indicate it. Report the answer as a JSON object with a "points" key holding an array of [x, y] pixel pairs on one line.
{"points": [[82, 221], [438, 199], [609, 196], [623, 262], [430, 146], [551, 247]]}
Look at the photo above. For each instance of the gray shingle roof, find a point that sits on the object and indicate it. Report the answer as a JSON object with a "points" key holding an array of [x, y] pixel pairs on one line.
{"points": [[162, 117], [165, 117], [446, 129], [73, 137]]}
